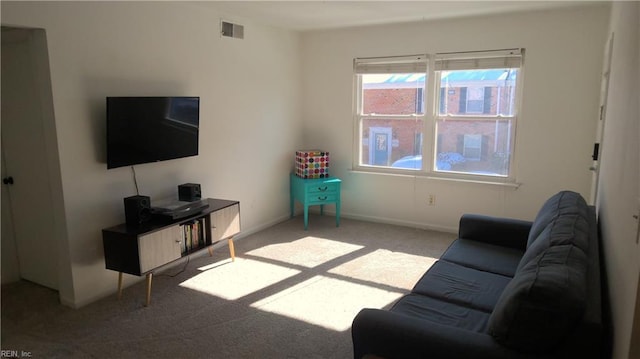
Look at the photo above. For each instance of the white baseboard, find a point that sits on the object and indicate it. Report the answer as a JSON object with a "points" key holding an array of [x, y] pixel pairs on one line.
{"points": [[273, 222], [77, 304], [397, 222]]}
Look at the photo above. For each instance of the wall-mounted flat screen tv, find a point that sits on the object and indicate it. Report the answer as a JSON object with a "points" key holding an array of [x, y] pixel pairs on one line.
{"points": [[150, 129]]}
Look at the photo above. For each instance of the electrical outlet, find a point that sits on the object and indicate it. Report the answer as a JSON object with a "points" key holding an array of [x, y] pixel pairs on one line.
{"points": [[431, 201]]}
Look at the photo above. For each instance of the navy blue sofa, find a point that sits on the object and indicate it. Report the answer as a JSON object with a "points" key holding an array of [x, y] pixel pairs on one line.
{"points": [[505, 288]]}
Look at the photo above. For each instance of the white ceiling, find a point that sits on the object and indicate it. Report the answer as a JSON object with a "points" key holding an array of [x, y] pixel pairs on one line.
{"points": [[314, 15]]}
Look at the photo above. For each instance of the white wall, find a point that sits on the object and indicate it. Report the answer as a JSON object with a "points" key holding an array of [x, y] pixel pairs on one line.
{"points": [[555, 132], [619, 194], [250, 123]]}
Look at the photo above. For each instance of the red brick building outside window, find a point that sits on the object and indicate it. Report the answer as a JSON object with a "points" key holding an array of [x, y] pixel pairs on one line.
{"points": [[473, 111]]}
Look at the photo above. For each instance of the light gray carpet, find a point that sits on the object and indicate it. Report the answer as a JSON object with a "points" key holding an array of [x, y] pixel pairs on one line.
{"points": [[290, 294]]}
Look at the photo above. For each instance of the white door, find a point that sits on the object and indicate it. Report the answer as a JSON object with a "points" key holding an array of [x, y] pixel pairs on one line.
{"points": [[29, 198], [10, 267], [604, 93]]}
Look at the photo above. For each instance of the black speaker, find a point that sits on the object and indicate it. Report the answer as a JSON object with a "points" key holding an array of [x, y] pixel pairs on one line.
{"points": [[189, 192], [137, 209]]}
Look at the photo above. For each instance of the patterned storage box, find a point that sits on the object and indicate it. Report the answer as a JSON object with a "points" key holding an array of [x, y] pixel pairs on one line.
{"points": [[312, 164]]}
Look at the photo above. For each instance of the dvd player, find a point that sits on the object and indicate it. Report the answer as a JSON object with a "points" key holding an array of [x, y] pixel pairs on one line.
{"points": [[173, 209]]}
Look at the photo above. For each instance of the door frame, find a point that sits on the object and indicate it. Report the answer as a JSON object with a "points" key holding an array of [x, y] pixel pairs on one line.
{"points": [[43, 93], [604, 95]]}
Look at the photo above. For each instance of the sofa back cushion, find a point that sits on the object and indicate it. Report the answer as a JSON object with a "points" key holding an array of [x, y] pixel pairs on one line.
{"points": [[564, 229], [543, 302], [562, 203]]}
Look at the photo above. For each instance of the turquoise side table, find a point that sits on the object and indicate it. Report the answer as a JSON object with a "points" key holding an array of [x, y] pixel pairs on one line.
{"points": [[312, 192]]}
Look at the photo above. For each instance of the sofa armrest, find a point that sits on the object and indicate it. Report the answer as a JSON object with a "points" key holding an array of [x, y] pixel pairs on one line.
{"points": [[390, 335], [505, 232]]}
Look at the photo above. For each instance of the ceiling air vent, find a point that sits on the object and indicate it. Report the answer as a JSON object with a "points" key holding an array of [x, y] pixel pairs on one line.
{"points": [[232, 30]]}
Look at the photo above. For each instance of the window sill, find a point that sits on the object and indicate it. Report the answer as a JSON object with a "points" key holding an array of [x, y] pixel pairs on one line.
{"points": [[429, 176]]}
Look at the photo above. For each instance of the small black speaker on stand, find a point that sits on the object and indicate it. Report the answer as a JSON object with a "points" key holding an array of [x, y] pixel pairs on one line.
{"points": [[189, 192], [137, 209]]}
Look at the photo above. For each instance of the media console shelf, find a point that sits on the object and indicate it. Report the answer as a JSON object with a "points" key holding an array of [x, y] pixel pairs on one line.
{"points": [[141, 249]]}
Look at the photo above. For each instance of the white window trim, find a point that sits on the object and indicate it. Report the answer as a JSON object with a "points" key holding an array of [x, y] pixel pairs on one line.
{"points": [[435, 62]]}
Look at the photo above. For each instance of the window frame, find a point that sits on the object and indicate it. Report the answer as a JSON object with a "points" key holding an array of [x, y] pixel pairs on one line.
{"points": [[430, 117]]}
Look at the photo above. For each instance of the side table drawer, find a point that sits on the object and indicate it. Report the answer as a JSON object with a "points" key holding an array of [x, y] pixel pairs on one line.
{"points": [[320, 198], [322, 188]]}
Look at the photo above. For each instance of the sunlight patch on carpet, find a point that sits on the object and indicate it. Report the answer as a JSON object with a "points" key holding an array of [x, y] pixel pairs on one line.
{"points": [[396, 269], [327, 302], [238, 279], [307, 252]]}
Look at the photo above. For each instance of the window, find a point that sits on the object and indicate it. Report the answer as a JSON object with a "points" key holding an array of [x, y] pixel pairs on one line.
{"points": [[390, 116], [450, 115], [475, 99]]}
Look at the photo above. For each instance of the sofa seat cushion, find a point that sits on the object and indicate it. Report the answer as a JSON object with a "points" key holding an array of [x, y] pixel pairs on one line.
{"points": [[542, 304], [483, 256], [442, 312], [462, 285]]}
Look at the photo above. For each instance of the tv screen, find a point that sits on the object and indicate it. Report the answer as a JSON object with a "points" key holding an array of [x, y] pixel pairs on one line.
{"points": [[151, 129]]}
